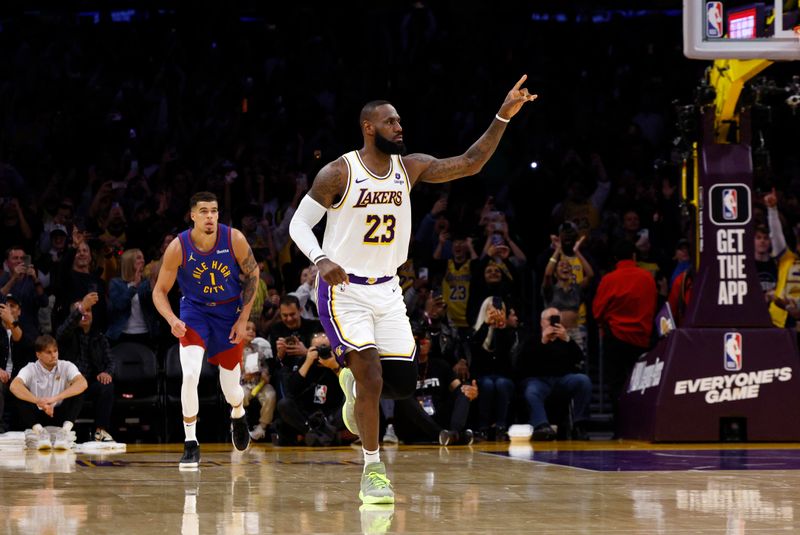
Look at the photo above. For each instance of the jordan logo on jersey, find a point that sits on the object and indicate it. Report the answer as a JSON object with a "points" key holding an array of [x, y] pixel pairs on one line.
{"points": [[191, 257], [367, 197], [211, 277]]}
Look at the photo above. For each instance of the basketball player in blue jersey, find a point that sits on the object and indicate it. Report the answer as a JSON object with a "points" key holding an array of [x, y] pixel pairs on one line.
{"points": [[218, 277], [365, 194]]}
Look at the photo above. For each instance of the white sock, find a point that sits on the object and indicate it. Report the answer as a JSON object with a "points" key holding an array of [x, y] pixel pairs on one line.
{"points": [[237, 412], [67, 426], [190, 429], [371, 456]]}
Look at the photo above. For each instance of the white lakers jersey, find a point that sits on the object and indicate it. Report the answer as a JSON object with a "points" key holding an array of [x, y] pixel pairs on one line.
{"points": [[368, 230]]}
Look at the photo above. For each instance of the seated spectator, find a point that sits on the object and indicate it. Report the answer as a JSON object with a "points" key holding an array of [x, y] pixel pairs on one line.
{"points": [[133, 317], [491, 343], [553, 367], [290, 339], [313, 402], [439, 409], [9, 316], [17, 345], [49, 393], [78, 278], [255, 380], [561, 290], [21, 278], [88, 348]]}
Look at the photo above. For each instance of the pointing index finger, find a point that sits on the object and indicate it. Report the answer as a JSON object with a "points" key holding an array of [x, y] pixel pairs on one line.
{"points": [[521, 81]]}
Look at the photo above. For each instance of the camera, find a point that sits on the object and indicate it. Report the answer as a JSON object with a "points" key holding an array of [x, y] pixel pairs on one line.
{"points": [[324, 352], [291, 340], [555, 319]]}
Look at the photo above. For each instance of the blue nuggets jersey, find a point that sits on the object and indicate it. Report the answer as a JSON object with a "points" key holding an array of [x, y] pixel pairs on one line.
{"points": [[210, 277]]}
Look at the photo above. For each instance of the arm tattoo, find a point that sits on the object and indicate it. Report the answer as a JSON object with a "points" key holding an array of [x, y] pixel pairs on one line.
{"points": [[329, 183], [248, 276], [469, 163]]}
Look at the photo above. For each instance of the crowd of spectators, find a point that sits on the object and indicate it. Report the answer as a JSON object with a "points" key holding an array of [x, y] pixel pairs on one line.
{"points": [[107, 128]]}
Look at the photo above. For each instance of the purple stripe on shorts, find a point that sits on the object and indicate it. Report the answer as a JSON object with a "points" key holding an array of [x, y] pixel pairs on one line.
{"points": [[326, 319]]}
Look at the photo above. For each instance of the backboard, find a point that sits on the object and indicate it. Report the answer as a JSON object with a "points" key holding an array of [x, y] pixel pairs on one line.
{"points": [[739, 29]]}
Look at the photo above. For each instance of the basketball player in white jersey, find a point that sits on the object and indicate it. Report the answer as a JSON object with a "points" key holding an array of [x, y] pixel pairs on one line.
{"points": [[366, 195]]}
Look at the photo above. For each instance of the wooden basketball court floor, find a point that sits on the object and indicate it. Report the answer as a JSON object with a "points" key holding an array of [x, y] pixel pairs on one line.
{"points": [[597, 487]]}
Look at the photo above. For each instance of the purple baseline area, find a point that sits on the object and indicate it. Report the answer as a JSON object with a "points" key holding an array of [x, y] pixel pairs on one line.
{"points": [[668, 460]]}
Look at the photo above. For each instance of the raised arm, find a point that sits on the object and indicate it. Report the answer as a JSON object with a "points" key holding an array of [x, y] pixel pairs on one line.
{"points": [[426, 168], [329, 184]]}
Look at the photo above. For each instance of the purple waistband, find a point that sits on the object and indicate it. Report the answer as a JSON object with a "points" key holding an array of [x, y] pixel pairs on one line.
{"points": [[355, 279]]}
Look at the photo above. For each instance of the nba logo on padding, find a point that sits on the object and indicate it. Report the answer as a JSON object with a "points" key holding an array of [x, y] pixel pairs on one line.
{"points": [[713, 20], [733, 352], [730, 205]]}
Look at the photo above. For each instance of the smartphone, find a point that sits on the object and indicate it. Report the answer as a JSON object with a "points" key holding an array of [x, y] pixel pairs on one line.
{"points": [[497, 239], [92, 287], [134, 165], [423, 273], [302, 181], [26, 260], [555, 319], [497, 302]]}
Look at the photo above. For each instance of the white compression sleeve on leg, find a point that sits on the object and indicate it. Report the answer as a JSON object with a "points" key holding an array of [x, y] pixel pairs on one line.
{"points": [[232, 388], [305, 217], [191, 364]]}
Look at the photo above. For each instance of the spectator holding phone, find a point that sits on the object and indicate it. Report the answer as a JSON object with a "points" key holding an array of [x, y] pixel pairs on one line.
{"points": [[561, 289], [21, 278], [553, 367]]}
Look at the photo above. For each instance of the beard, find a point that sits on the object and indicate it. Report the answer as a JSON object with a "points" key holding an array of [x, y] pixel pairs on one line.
{"points": [[389, 147]]}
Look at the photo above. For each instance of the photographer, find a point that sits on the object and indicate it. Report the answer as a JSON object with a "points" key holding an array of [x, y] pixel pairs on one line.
{"points": [[290, 339], [440, 405], [552, 367], [313, 402]]}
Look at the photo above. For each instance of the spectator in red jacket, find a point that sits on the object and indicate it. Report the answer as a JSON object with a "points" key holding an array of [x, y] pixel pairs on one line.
{"points": [[624, 306]]}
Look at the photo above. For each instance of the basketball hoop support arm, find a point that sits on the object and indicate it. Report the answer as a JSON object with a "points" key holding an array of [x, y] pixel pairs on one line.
{"points": [[728, 77]]}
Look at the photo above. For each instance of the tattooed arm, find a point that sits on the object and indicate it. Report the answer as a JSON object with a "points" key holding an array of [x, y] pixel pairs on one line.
{"points": [[249, 278], [329, 185], [426, 168]]}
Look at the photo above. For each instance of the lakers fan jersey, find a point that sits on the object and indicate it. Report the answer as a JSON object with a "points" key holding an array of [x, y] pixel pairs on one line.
{"points": [[368, 230], [455, 290], [210, 277]]}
